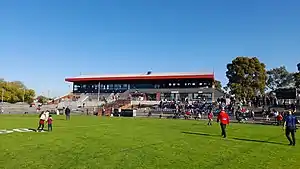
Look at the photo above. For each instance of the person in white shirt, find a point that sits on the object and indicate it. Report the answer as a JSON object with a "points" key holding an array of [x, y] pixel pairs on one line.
{"points": [[42, 121]]}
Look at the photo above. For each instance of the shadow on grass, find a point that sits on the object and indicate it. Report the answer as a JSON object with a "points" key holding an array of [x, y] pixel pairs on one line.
{"points": [[235, 138], [201, 134]]}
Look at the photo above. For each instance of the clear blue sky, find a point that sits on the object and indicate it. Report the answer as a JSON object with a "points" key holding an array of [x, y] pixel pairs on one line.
{"points": [[42, 42]]}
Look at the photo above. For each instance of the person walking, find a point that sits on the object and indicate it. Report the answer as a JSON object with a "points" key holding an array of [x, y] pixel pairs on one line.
{"points": [[223, 118], [290, 128], [67, 112]]}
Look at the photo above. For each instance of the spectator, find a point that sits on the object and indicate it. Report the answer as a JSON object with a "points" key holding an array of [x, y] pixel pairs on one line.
{"points": [[210, 117], [42, 118], [50, 120], [68, 113], [223, 118], [290, 128], [279, 119]]}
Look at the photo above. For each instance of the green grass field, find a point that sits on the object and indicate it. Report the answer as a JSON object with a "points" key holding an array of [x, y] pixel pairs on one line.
{"points": [[95, 142]]}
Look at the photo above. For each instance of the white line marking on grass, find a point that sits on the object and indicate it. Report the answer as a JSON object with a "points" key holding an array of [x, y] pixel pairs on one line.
{"points": [[6, 131]]}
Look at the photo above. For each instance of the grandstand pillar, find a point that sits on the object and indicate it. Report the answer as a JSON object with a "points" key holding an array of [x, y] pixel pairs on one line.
{"points": [[98, 91], [213, 95]]}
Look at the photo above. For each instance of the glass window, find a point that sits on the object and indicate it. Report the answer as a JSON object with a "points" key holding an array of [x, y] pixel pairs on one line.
{"points": [[76, 87], [110, 86]]}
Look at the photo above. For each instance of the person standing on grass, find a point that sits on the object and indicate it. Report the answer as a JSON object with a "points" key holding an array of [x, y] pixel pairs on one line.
{"points": [[290, 128], [223, 118], [279, 119], [67, 112], [50, 120], [210, 116], [42, 117]]}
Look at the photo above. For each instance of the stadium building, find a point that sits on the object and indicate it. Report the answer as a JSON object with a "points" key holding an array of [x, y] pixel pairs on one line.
{"points": [[152, 86]]}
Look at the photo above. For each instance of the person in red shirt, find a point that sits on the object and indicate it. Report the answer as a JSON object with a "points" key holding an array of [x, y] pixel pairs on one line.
{"points": [[50, 121], [210, 116], [223, 118], [279, 119]]}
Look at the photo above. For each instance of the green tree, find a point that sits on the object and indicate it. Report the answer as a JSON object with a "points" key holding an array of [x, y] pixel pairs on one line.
{"points": [[29, 95], [297, 80], [297, 77], [15, 92], [246, 77], [218, 85], [42, 99], [279, 77]]}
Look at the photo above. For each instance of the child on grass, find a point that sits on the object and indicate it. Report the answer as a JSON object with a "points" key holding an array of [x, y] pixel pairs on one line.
{"points": [[210, 118], [50, 120]]}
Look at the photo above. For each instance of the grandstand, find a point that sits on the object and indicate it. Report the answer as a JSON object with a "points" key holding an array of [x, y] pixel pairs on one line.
{"points": [[153, 86]]}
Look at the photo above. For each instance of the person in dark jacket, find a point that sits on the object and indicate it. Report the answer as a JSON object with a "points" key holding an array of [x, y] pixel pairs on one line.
{"points": [[290, 128], [67, 112]]}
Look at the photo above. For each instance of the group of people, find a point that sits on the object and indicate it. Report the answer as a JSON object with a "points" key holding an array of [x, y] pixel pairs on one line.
{"points": [[45, 116], [290, 124]]}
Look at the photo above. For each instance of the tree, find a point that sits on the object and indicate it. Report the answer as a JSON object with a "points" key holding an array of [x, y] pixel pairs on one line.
{"points": [[15, 92], [297, 80], [246, 77], [279, 77], [218, 85], [297, 77], [42, 99]]}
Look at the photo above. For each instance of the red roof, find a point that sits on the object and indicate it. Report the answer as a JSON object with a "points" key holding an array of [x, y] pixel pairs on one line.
{"points": [[143, 77]]}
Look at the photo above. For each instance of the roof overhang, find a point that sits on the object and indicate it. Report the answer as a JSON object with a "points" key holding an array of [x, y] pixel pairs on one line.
{"points": [[141, 77]]}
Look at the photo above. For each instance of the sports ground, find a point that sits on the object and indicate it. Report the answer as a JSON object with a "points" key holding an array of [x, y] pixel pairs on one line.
{"points": [[95, 142]]}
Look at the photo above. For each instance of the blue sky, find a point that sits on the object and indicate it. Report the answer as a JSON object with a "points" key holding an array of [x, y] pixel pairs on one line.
{"points": [[42, 42]]}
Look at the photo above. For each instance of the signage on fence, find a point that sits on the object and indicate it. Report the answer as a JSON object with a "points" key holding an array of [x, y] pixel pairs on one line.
{"points": [[20, 130]]}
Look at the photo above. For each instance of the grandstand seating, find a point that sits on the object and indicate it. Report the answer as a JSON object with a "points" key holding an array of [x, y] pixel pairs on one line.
{"points": [[20, 108]]}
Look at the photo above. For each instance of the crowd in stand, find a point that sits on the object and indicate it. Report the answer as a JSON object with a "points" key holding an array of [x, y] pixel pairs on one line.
{"points": [[238, 111]]}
